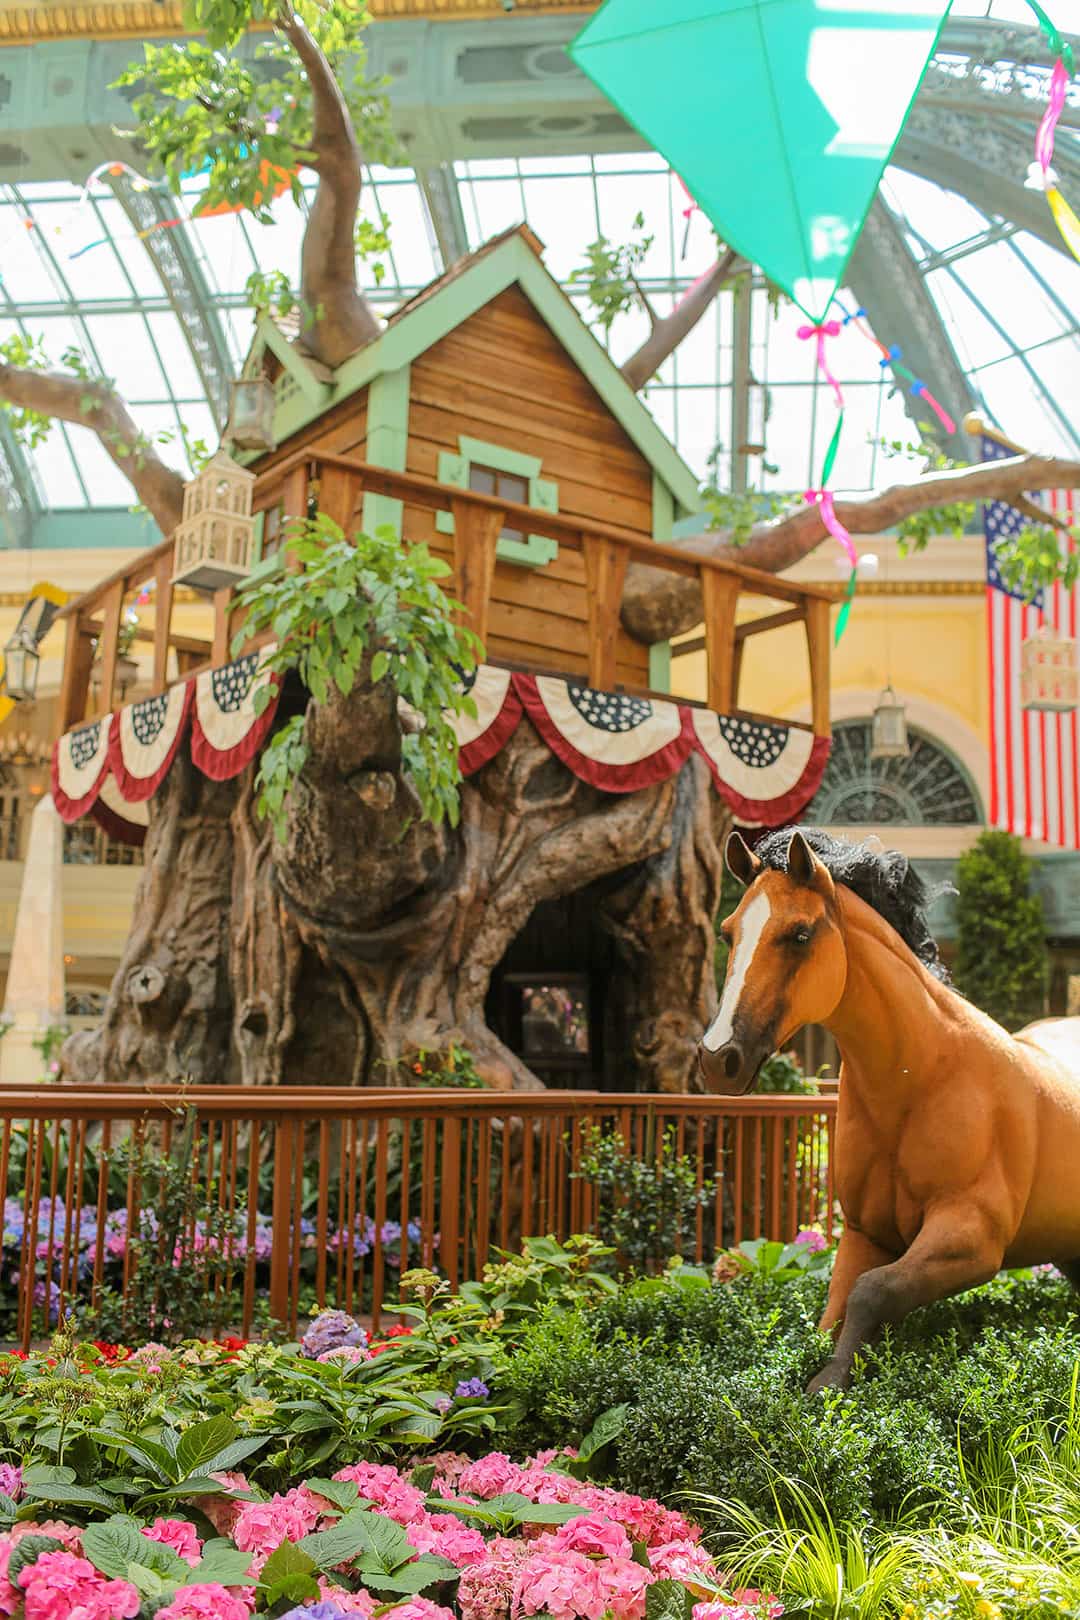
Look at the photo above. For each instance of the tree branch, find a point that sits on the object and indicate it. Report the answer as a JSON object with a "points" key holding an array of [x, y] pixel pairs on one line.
{"points": [[328, 256], [95, 406], [657, 605], [667, 334]]}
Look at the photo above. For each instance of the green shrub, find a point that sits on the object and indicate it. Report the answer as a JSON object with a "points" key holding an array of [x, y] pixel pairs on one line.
{"points": [[1001, 957]]}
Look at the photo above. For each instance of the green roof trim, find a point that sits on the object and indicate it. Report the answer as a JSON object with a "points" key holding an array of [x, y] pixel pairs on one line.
{"points": [[510, 262]]}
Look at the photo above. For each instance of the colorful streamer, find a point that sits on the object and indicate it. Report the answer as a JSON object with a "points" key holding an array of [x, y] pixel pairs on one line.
{"points": [[892, 357], [823, 497], [1040, 175]]}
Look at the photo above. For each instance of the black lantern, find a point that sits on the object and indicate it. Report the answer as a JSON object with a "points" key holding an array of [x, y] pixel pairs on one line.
{"points": [[251, 414], [21, 665]]}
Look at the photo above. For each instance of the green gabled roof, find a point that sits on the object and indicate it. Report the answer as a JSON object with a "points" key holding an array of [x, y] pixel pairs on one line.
{"points": [[514, 258]]}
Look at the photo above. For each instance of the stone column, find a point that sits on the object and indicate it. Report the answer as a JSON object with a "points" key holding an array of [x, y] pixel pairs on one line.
{"points": [[35, 984]]}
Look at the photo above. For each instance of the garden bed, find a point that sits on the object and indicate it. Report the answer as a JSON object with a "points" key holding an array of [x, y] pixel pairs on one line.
{"points": [[553, 1441]]}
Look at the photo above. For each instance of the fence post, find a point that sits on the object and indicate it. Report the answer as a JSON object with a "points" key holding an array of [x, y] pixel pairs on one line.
{"points": [[281, 1253]]}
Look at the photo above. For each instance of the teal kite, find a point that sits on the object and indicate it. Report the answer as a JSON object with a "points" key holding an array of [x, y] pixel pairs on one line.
{"points": [[778, 115]]}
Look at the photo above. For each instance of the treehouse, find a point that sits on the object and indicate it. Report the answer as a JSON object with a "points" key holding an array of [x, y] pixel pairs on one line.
{"points": [[487, 422]]}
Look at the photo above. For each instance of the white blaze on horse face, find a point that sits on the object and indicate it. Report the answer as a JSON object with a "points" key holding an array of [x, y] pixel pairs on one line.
{"points": [[754, 919]]}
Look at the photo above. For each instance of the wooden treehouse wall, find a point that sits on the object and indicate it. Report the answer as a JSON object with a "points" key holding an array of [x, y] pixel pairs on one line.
{"points": [[501, 377]]}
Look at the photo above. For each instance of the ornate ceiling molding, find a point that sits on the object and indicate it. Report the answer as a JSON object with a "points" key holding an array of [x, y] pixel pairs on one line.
{"points": [[22, 24]]}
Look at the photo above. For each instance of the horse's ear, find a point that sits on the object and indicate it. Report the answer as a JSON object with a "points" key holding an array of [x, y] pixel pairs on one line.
{"points": [[742, 863], [803, 865]]}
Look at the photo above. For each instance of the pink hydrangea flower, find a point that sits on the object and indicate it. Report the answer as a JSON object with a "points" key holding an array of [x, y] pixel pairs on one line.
{"points": [[745, 1605], [447, 1537], [625, 1585], [348, 1602], [11, 1480], [419, 1608], [209, 1602], [684, 1561], [594, 1536], [565, 1585], [262, 1526], [485, 1590], [449, 1465], [385, 1487], [10, 1596], [813, 1242], [179, 1535], [62, 1586], [489, 1476], [347, 1354]]}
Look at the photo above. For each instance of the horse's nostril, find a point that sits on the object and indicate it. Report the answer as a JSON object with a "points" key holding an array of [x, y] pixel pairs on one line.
{"points": [[732, 1062]]}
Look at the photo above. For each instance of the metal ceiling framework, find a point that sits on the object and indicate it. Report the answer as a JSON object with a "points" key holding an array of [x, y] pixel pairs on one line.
{"points": [[469, 93]]}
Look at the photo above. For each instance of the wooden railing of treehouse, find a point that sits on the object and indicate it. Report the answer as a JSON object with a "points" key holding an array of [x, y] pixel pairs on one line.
{"points": [[94, 619]]}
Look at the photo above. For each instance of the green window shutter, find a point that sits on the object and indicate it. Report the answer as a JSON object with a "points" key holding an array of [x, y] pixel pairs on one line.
{"points": [[452, 470], [537, 550], [257, 538]]}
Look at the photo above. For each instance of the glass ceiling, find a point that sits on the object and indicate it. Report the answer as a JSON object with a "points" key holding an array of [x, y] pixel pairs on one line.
{"points": [[74, 274]]}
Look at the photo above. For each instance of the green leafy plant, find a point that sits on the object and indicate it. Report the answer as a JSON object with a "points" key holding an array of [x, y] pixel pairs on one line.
{"points": [[609, 274], [647, 1206], [48, 1043], [1001, 960], [206, 108], [369, 609]]}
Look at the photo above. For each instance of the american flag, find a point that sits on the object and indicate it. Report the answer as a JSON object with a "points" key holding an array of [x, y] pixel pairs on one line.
{"points": [[1034, 756]]}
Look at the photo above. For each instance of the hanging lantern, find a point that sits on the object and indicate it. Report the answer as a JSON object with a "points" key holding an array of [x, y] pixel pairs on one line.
{"points": [[21, 665], [251, 414], [1049, 672], [215, 538], [888, 730]]}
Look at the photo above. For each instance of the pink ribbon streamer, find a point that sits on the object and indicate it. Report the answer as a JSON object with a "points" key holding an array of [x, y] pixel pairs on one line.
{"points": [[693, 208], [939, 410], [823, 498], [1044, 140], [826, 329]]}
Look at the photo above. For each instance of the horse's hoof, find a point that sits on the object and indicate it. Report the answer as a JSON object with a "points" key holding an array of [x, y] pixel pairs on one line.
{"points": [[831, 1376]]}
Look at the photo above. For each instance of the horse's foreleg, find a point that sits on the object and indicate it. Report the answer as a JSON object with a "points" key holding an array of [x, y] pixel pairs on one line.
{"points": [[958, 1247], [855, 1254]]}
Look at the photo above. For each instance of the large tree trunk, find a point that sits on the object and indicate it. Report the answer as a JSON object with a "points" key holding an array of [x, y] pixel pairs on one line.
{"points": [[344, 949]]}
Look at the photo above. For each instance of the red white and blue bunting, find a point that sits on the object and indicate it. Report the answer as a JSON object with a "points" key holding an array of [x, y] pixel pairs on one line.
{"points": [[227, 729], [618, 743]]}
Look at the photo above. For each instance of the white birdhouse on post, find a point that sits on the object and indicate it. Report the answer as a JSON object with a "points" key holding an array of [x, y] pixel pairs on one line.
{"points": [[215, 538], [1049, 671]]}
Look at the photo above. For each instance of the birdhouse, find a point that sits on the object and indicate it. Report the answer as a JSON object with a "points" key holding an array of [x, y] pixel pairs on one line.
{"points": [[1049, 671], [215, 538]]}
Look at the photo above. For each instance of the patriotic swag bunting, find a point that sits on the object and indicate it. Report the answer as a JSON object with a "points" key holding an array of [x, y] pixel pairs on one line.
{"points": [[145, 737], [80, 764], [226, 731], [766, 773], [498, 710], [612, 740], [609, 739]]}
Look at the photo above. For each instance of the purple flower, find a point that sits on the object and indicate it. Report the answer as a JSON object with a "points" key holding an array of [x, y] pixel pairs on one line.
{"points": [[472, 1389], [11, 1480], [811, 1241], [328, 1331], [442, 1404], [316, 1611]]}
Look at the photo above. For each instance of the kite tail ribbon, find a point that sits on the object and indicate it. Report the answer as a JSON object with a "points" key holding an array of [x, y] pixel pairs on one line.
{"points": [[823, 498], [1044, 140], [821, 332]]}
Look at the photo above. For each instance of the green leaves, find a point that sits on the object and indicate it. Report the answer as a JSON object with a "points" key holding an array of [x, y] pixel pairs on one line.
{"points": [[668, 1600], [505, 1513], [371, 610], [379, 1551], [289, 1575]]}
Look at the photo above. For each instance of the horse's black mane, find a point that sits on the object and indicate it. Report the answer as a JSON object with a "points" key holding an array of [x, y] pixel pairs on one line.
{"points": [[884, 878]]}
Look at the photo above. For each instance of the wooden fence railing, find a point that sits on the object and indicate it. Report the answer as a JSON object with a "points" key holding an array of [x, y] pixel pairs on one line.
{"points": [[327, 1194], [94, 619]]}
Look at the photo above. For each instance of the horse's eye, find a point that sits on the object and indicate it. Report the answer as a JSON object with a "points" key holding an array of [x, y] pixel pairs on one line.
{"points": [[801, 936]]}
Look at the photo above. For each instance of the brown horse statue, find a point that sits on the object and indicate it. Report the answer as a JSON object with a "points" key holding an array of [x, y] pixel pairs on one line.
{"points": [[957, 1146]]}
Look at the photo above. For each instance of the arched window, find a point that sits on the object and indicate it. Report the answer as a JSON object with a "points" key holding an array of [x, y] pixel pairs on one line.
{"points": [[928, 788]]}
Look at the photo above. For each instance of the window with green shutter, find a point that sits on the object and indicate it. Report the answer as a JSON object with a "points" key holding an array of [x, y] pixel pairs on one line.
{"points": [[491, 469]]}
